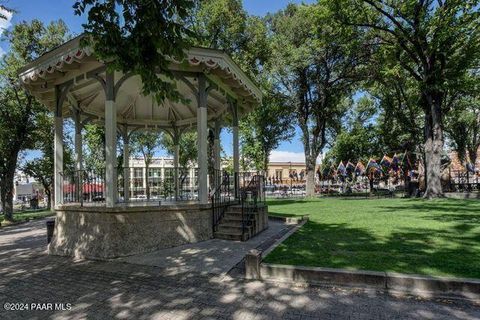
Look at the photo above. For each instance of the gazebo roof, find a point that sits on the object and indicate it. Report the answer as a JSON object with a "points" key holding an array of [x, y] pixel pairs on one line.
{"points": [[72, 63]]}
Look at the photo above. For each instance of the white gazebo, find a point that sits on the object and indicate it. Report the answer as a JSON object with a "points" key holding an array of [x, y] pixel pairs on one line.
{"points": [[72, 82]]}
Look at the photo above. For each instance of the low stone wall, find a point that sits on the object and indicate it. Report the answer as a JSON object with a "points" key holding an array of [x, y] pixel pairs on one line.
{"points": [[106, 233], [463, 195]]}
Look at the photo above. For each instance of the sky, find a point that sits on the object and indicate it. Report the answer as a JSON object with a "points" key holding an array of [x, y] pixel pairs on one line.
{"points": [[49, 10]]}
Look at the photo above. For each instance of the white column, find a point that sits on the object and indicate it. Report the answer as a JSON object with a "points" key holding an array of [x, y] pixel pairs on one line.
{"points": [[176, 164], [202, 132], [110, 142], [58, 160], [236, 149], [126, 166], [216, 145], [78, 147], [78, 155]]}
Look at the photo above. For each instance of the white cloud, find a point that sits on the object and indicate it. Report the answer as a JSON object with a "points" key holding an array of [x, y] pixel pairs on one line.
{"points": [[287, 156], [5, 23]]}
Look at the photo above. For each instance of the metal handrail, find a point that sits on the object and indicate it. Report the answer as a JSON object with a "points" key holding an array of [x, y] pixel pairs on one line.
{"points": [[249, 206], [221, 197]]}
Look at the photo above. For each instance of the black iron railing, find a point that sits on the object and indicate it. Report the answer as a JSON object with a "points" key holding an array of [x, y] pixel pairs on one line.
{"points": [[464, 181], [252, 195], [222, 195], [83, 186], [166, 184]]}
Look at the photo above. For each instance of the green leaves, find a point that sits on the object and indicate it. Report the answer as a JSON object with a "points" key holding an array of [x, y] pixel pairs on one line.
{"points": [[21, 116], [140, 36], [145, 143], [188, 147]]}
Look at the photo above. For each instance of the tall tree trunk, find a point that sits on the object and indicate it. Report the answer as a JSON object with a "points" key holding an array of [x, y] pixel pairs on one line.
{"points": [[433, 145], [49, 199], [310, 168], [266, 156], [473, 157], [6, 191], [147, 186]]}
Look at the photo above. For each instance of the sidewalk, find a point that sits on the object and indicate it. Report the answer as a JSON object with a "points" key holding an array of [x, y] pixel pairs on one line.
{"points": [[118, 290]]}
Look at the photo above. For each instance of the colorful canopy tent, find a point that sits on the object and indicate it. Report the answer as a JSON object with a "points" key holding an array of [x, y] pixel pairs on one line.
{"points": [[350, 168], [359, 169], [386, 163], [341, 169], [373, 167], [396, 163]]}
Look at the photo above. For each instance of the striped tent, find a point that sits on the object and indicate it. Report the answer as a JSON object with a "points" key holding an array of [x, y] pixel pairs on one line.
{"points": [[350, 168], [372, 166], [341, 169], [396, 163], [359, 169], [386, 163]]}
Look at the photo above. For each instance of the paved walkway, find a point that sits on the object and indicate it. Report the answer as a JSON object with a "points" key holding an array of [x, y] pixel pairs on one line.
{"points": [[213, 256], [116, 290]]}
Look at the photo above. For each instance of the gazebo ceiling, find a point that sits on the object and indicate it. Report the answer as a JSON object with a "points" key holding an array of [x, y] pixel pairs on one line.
{"points": [[71, 63]]}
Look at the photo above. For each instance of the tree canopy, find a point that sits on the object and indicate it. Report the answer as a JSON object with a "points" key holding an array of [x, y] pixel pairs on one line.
{"points": [[20, 113], [140, 36]]}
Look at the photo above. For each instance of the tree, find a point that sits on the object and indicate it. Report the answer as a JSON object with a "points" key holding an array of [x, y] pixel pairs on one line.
{"points": [[463, 125], [435, 43], [94, 148], [399, 123], [18, 109], [187, 145], [144, 144], [264, 128], [139, 36], [317, 63], [225, 25], [41, 168], [188, 152]]}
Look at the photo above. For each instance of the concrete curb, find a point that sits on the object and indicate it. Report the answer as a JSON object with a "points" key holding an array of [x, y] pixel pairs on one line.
{"points": [[288, 220], [462, 195], [421, 285], [299, 223], [387, 281]]}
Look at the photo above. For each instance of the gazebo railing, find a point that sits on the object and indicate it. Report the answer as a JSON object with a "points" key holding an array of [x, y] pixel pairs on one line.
{"points": [[163, 184], [83, 186]]}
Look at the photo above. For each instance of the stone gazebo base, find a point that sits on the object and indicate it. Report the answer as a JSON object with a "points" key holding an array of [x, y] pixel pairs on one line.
{"points": [[106, 233]]}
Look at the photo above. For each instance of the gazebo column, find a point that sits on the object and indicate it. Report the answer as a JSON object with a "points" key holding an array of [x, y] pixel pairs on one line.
{"points": [[58, 149], [202, 132], [110, 141], [78, 155], [176, 164], [216, 145], [126, 165], [236, 149]]}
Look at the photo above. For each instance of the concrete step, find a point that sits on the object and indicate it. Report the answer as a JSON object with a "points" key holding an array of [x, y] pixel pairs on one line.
{"points": [[235, 209], [234, 220], [239, 214], [230, 236], [232, 229], [231, 223]]}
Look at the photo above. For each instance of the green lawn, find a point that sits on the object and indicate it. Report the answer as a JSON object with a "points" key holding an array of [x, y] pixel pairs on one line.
{"points": [[439, 238], [24, 215]]}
